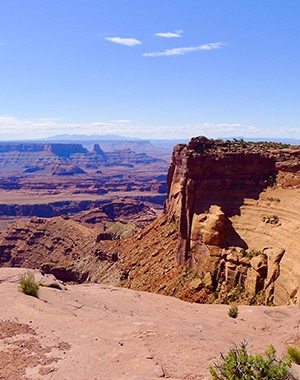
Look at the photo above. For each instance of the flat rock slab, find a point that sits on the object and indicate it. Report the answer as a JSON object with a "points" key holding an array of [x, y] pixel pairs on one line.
{"points": [[93, 331]]}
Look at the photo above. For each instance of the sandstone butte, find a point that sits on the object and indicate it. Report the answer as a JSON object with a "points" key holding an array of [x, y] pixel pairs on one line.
{"points": [[229, 233]]}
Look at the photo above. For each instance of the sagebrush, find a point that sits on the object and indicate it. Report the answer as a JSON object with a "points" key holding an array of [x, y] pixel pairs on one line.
{"points": [[233, 311], [238, 363], [294, 354], [28, 285]]}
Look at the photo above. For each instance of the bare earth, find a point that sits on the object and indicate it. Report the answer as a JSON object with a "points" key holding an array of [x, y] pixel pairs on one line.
{"points": [[93, 331]]}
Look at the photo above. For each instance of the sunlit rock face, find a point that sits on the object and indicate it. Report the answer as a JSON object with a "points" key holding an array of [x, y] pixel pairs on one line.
{"points": [[214, 188]]}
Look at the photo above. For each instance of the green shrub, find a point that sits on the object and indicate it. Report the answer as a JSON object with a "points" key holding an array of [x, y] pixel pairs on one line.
{"points": [[233, 311], [294, 354], [28, 284], [239, 364], [251, 253]]}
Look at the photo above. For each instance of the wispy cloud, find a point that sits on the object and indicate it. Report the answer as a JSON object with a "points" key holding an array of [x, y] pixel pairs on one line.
{"points": [[185, 50], [212, 46], [176, 34], [124, 41]]}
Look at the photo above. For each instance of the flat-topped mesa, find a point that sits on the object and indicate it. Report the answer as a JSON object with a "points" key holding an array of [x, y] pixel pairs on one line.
{"points": [[65, 150], [208, 181], [59, 149], [28, 153]]}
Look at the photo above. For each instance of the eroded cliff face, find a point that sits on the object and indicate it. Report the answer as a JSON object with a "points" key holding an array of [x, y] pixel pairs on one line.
{"points": [[210, 182], [206, 173]]}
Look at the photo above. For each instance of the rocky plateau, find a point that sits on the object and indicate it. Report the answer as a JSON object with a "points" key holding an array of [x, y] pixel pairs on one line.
{"points": [[43, 173], [97, 331]]}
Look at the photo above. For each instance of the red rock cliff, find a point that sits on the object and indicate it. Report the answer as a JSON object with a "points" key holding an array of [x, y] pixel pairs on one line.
{"points": [[210, 172], [223, 195]]}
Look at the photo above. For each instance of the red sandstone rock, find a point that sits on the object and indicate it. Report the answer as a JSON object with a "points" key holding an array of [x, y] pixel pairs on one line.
{"points": [[208, 182], [212, 243]]}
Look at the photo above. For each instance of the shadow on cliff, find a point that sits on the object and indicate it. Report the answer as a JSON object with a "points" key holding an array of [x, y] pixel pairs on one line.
{"points": [[228, 181], [229, 199], [233, 239]]}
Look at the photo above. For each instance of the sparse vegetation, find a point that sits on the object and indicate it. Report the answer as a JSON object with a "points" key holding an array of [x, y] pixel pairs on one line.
{"points": [[235, 294], [188, 271], [28, 285], [233, 311], [294, 354], [274, 219], [251, 253], [272, 199], [213, 297], [239, 364], [259, 299]]}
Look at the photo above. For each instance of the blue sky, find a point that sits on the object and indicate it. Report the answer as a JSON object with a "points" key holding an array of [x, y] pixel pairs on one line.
{"points": [[169, 69]]}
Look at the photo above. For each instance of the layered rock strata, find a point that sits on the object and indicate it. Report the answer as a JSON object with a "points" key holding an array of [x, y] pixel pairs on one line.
{"points": [[68, 248], [229, 231], [209, 182], [47, 172]]}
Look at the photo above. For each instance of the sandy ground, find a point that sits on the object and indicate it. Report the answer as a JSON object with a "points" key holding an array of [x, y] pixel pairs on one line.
{"points": [[92, 331]]}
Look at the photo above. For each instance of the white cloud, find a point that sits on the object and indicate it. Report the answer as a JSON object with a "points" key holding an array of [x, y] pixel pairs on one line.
{"points": [[176, 34], [13, 128], [124, 41], [185, 50], [212, 46]]}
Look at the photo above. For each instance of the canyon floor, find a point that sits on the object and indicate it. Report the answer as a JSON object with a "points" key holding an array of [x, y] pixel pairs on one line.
{"points": [[93, 331]]}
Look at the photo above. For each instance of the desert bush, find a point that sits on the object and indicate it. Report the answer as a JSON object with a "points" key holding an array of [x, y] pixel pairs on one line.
{"points": [[252, 253], [27, 284], [233, 311], [294, 354], [239, 364]]}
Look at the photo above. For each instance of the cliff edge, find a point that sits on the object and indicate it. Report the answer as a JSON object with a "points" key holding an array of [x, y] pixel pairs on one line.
{"points": [[215, 187], [229, 231]]}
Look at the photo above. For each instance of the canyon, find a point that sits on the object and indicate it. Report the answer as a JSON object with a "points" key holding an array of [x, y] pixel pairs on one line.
{"points": [[228, 231], [58, 168]]}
